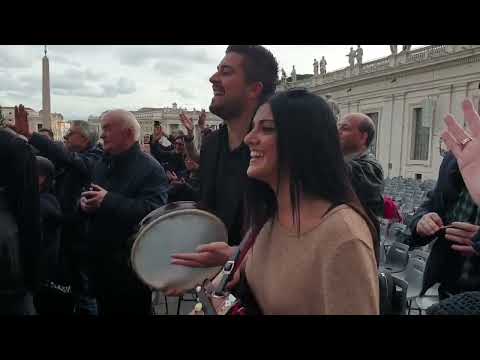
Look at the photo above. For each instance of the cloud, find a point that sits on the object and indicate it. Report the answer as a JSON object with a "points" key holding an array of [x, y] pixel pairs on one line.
{"points": [[70, 82], [106, 89], [67, 83], [166, 55], [85, 75], [68, 50], [58, 59], [122, 87], [167, 67], [185, 94], [87, 79], [84, 90], [88, 83], [22, 85], [11, 57]]}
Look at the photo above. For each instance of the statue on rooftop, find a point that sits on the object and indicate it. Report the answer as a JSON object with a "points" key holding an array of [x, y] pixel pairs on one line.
{"points": [[351, 57], [284, 77], [323, 66], [359, 55]]}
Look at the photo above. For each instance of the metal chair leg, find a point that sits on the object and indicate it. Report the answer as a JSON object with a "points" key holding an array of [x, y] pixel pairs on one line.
{"points": [[180, 298], [166, 304]]}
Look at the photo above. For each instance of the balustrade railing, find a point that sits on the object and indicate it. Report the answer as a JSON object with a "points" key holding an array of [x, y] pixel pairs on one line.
{"points": [[413, 56]]}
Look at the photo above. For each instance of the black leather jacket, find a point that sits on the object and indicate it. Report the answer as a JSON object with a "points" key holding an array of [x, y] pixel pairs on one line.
{"points": [[444, 264], [367, 181]]}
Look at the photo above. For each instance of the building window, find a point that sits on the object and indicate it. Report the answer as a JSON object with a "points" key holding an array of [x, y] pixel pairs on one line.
{"points": [[373, 144], [420, 137]]}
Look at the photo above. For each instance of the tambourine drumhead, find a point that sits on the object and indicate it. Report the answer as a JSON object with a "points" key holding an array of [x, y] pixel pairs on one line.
{"points": [[177, 231]]}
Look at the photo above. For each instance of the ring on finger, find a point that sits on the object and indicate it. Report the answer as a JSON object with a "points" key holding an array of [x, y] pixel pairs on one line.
{"points": [[465, 141]]}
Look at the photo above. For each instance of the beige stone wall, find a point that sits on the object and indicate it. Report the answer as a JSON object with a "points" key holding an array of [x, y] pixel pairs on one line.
{"points": [[169, 119], [447, 79]]}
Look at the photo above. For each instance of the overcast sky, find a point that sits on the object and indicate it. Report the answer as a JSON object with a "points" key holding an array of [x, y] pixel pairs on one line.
{"points": [[88, 79]]}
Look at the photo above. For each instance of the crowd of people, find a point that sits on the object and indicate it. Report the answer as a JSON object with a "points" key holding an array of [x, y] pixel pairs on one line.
{"points": [[280, 170]]}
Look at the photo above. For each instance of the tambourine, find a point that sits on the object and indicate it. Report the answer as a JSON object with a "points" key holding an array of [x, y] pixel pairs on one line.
{"points": [[178, 227]]}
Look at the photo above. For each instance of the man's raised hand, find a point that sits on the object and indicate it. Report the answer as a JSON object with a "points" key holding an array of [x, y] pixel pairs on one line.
{"points": [[202, 120], [21, 122]]}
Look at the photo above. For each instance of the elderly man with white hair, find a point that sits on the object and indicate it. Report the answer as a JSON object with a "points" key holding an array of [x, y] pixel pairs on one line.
{"points": [[127, 184], [123, 185]]}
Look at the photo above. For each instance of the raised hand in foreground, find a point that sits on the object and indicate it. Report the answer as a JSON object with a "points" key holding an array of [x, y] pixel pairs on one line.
{"points": [[465, 146]]}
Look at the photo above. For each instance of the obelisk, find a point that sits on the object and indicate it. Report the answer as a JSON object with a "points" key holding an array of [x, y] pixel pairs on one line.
{"points": [[47, 120]]}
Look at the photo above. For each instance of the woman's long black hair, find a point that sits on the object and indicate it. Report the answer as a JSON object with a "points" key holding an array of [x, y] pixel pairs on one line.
{"points": [[309, 149]]}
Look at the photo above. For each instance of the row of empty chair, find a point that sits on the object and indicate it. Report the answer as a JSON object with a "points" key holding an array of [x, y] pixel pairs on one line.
{"points": [[408, 193]]}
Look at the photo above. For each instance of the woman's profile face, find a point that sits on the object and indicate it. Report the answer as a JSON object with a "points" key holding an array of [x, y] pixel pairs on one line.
{"points": [[262, 141]]}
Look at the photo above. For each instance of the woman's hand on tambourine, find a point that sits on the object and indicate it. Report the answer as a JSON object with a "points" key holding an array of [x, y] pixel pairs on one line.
{"points": [[209, 255]]}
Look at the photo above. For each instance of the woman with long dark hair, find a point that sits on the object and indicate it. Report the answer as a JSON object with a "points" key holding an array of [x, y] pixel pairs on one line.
{"points": [[316, 249]]}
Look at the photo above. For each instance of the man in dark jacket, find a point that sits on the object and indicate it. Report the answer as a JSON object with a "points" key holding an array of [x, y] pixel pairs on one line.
{"points": [[456, 268], [20, 234], [244, 79], [185, 188], [74, 163], [46, 132], [356, 133], [172, 160], [127, 184]]}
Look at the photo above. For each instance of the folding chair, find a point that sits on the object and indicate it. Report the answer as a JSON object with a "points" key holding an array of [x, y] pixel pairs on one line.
{"points": [[156, 302], [393, 294], [181, 299], [414, 278], [396, 259], [420, 255]]}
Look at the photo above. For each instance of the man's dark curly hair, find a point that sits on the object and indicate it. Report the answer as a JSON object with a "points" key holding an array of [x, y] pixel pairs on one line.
{"points": [[260, 65]]}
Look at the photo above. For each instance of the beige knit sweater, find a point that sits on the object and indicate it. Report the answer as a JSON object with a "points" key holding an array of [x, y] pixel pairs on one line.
{"points": [[330, 269]]}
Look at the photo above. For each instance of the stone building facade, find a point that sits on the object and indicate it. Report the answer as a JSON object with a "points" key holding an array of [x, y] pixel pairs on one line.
{"points": [[407, 94], [167, 117]]}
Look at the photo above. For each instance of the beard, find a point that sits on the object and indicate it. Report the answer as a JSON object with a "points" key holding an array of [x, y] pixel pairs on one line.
{"points": [[228, 110]]}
